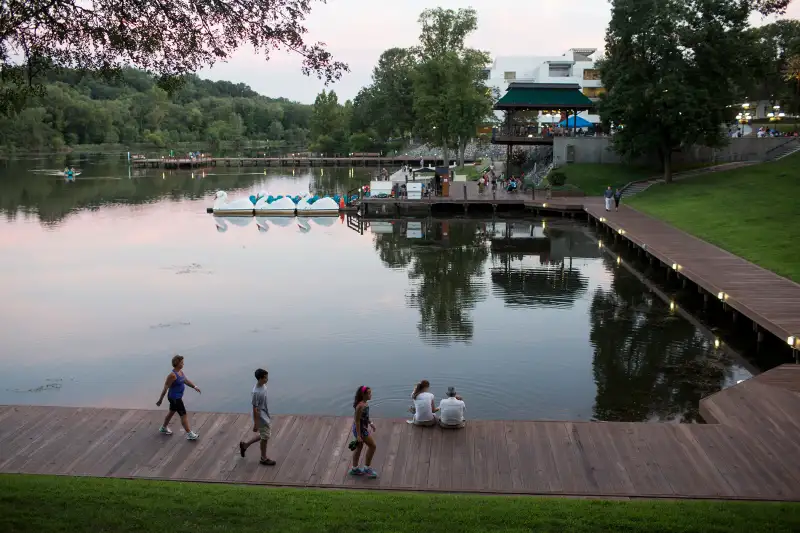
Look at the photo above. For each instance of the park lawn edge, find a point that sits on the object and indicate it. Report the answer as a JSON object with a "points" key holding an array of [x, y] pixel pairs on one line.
{"points": [[750, 211], [77, 504]]}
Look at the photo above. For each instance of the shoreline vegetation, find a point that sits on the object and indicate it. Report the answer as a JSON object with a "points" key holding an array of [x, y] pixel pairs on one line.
{"points": [[75, 505]]}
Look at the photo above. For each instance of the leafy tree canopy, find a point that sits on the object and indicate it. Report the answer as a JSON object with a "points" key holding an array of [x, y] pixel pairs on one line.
{"points": [[671, 71], [168, 39]]}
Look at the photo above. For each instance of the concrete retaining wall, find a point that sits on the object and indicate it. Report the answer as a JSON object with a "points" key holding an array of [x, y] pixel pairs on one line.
{"points": [[598, 150]]}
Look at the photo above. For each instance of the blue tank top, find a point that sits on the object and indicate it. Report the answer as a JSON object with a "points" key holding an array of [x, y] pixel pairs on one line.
{"points": [[177, 387]]}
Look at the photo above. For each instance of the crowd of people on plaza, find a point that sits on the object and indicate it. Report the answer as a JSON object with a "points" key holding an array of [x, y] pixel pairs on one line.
{"points": [[450, 414]]}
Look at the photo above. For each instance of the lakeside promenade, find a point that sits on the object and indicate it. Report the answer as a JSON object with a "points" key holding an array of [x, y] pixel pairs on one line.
{"points": [[749, 450]]}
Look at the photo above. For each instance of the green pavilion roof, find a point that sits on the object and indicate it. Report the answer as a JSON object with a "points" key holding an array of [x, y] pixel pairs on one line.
{"points": [[565, 96]]}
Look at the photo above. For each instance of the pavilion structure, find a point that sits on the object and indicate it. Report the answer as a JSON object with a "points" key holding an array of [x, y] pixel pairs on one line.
{"points": [[523, 104]]}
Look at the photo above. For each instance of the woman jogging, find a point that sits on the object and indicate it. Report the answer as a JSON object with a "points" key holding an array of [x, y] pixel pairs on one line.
{"points": [[176, 383], [361, 427]]}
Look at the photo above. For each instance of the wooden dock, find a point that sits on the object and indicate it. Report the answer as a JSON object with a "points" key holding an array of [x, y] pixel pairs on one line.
{"points": [[464, 195], [285, 161], [751, 451], [770, 301]]}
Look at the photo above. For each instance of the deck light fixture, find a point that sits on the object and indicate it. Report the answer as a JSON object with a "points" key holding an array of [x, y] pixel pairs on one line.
{"points": [[717, 343], [672, 306], [599, 244], [602, 219], [544, 205], [621, 231], [793, 341], [722, 296], [676, 267], [619, 260], [544, 224]]}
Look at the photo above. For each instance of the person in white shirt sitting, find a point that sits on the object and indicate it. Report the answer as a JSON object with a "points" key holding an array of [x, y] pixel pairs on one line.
{"points": [[451, 410], [424, 405]]}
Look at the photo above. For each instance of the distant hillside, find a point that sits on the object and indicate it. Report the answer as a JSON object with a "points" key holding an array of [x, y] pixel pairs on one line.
{"points": [[81, 109]]}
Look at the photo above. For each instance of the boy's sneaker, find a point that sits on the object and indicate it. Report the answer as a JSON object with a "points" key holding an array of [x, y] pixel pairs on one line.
{"points": [[165, 430], [192, 436], [370, 473], [358, 471]]}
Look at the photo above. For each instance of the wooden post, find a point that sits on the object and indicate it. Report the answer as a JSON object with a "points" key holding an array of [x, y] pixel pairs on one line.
{"points": [[465, 192]]}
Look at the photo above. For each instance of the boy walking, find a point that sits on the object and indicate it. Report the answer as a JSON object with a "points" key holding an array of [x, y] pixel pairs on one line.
{"points": [[175, 384], [261, 420]]}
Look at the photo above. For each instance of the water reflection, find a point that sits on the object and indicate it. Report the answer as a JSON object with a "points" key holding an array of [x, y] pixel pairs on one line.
{"points": [[109, 181], [445, 264], [649, 364]]}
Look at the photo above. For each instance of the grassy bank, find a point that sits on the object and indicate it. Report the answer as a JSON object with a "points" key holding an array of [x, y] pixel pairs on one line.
{"points": [[593, 178], [751, 211], [29, 503]]}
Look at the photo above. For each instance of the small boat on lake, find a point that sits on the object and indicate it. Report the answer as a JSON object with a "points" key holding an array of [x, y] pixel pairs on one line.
{"points": [[317, 206], [275, 206], [222, 207]]}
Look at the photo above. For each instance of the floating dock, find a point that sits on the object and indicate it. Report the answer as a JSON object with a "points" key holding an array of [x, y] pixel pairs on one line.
{"points": [[185, 162]]}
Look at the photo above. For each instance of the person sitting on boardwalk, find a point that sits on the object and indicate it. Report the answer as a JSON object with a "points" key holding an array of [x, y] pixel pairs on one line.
{"points": [[262, 423], [424, 405], [361, 427], [451, 410], [176, 383]]}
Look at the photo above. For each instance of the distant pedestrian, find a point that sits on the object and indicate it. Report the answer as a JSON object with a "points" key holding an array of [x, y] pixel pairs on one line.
{"points": [[609, 195], [617, 198], [262, 424], [361, 427], [174, 386]]}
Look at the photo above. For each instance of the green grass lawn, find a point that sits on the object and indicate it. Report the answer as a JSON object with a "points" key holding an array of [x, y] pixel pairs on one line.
{"points": [[753, 211], [471, 171], [54, 504], [593, 178]]}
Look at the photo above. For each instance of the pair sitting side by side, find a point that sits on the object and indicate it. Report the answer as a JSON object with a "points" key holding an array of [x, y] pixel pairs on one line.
{"points": [[449, 414]]}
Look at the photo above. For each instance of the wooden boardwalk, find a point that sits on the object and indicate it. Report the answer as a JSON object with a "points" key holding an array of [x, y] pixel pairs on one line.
{"points": [[753, 452], [769, 300]]}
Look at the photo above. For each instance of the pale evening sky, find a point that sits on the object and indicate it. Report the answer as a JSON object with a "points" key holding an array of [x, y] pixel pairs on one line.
{"points": [[358, 31]]}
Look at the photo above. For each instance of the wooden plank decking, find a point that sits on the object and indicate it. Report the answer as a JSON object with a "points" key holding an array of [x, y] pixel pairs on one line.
{"points": [[769, 300], [752, 453]]}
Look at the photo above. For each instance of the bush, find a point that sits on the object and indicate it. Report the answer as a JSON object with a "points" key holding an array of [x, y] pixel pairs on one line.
{"points": [[557, 178]]}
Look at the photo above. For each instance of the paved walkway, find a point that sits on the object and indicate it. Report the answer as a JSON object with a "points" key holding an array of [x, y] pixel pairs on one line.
{"points": [[753, 453]]}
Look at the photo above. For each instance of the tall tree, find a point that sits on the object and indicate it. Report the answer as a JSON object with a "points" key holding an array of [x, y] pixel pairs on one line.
{"points": [[671, 69], [394, 92], [329, 124], [450, 94], [167, 38]]}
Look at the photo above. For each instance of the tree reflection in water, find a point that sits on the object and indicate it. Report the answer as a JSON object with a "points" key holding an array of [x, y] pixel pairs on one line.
{"points": [[445, 267], [648, 364]]}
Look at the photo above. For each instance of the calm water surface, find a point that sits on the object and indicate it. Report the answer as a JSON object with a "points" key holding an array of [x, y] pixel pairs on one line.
{"points": [[106, 277]]}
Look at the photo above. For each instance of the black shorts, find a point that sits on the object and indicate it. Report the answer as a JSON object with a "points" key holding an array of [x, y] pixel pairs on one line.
{"points": [[176, 406]]}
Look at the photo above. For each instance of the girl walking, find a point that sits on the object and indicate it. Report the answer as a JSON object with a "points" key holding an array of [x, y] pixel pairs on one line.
{"points": [[174, 386], [361, 427]]}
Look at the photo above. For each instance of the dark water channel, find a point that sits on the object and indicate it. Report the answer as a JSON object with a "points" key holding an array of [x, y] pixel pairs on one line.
{"points": [[104, 278]]}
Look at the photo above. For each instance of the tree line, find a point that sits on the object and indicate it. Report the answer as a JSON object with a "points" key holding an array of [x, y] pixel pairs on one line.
{"points": [[83, 108], [434, 92]]}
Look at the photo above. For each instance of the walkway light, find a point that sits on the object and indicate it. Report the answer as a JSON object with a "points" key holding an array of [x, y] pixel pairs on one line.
{"points": [[722, 296], [717, 343], [544, 205], [793, 341], [676, 267], [599, 244], [602, 219], [621, 231], [619, 260], [672, 306]]}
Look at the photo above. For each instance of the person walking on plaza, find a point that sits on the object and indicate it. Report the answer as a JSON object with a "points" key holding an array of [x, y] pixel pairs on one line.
{"points": [[262, 424], [617, 198], [174, 386], [361, 427], [609, 195]]}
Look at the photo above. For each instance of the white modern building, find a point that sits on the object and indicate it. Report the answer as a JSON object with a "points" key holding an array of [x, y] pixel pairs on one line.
{"points": [[576, 66]]}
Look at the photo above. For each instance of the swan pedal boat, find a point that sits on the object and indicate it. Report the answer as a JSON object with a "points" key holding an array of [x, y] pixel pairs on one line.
{"points": [[222, 207], [322, 206], [281, 207]]}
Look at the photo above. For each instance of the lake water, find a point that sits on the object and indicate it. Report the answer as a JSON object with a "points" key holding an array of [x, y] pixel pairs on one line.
{"points": [[106, 277]]}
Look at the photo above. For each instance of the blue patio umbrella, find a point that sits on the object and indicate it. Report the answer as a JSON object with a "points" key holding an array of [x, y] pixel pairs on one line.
{"points": [[582, 122]]}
